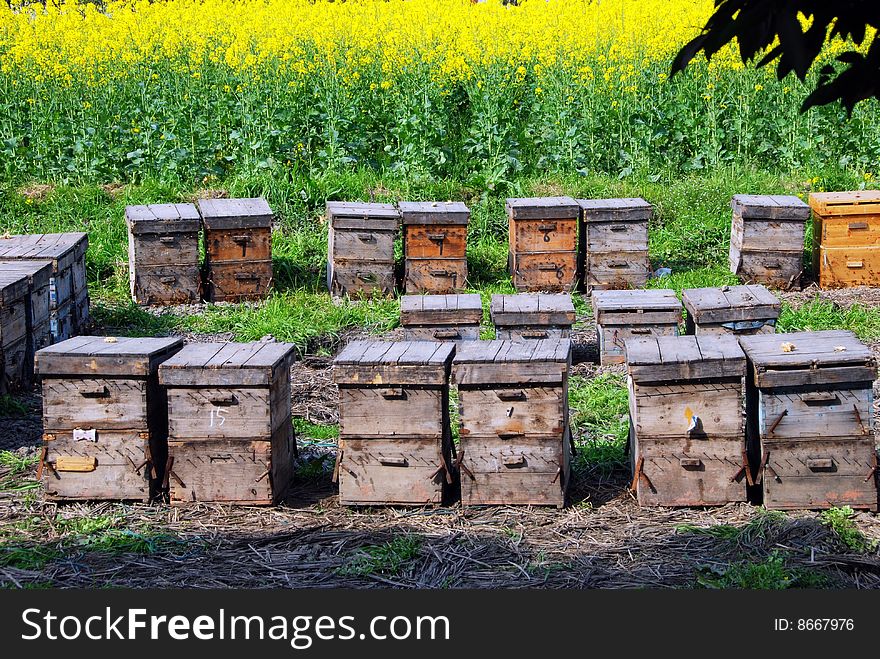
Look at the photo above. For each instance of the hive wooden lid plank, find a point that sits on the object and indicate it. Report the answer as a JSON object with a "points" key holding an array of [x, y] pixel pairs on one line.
{"points": [[362, 215], [540, 208], [632, 300], [249, 213], [536, 309], [227, 364], [441, 309], [393, 363], [731, 304], [162, 218], [808, 358], [512, 362], [615, 210], [433, 212], [60, 248], [770, 207], [856, 202], [37, 272], [676, 358], [14, 286], [100, 355]]}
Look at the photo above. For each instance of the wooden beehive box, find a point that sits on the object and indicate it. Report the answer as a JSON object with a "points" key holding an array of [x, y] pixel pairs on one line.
{"points": [[515, 442], [767, 239], [810, 412], [68, 288], [163, 253], [238, 248], [614, 243], [750, 309], [104, 417], [39, 275], [441, 317], [395, 443], [621, 315], [687, 445], [543, 243], [230, 431], [13, 330], [434, 246], [360, 247], [532, 316], [846, 238]]}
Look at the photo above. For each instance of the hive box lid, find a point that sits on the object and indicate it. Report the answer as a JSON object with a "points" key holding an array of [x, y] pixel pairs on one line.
{"points": [[675, 358], [61, 248], [434, 212], [390, 363], [636, 307], [770, 207], [729, 304], [540, 208], [545, 361], [806, 358], [464, 309], [13, 286], [38, 273], [162, 218], [252, 213], [615, 210], [856, 202], [535, 309], [101, 355], [361, 215], [227, 364]]}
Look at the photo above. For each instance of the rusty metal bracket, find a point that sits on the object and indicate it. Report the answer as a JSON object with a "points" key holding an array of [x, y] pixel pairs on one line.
{"points": [[459, 462], [42, 463], [859, 419], [335, 477], [777, 421]]}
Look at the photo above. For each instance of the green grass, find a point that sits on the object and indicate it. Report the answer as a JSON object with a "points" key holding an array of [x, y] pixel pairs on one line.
{"points": [[386, 559], [15, 471], [599, 416], [768, 574], [9, 406], [823, 315], [840, 520], [306, 430]]}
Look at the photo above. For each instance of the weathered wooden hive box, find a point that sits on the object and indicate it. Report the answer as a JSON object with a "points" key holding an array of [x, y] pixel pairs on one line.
{"points": [[13, 330], [434, 246], [39, 276], [621, 315], [532, 316], [767, 239], [238, 248], [104, 417], [687, 441], [846, 238], [441, 317], [360, 247], [750, 309], [543, 243], [395, 443], [809, 405], [230, 431], [163, 253], [614, 242], [68, 287], [515, 442]]}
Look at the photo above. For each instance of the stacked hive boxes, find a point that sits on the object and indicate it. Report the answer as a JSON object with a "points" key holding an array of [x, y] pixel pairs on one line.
{"points": [[39, 334], [687, 443], [395, 443], [238, 248], [614, 242], [543, 243], [163, 253], [767, 239], [515, 438], [621, 315], [229, 422], [846, 238], [13, 329], [104, 417], [810, 417], [360, 248], [68, 291], [441, 317], [435, 246]]}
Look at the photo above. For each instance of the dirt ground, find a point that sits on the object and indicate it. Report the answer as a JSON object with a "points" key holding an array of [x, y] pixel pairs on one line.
{"points": [[603, 539]]}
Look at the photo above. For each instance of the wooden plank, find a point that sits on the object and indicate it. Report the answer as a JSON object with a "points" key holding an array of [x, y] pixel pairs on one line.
{"points": [[222, 412], [513, 412], [433, 212], [104, 403], [667, 409], [775, 207], [435, 241], [226, 214], [855, 202], [239, 281], [386, 413], [730, 304], [440, 275], [527, 208], [617, 210], [360, 215], [126, 357]]}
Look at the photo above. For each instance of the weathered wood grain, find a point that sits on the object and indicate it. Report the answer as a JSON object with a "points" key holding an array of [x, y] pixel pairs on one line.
{"points": [[223, 214], [239, 281], [391, 412], [438, 276], [544, 271], [433, 212], [440, 310], [435, 241], [513, 412]]}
